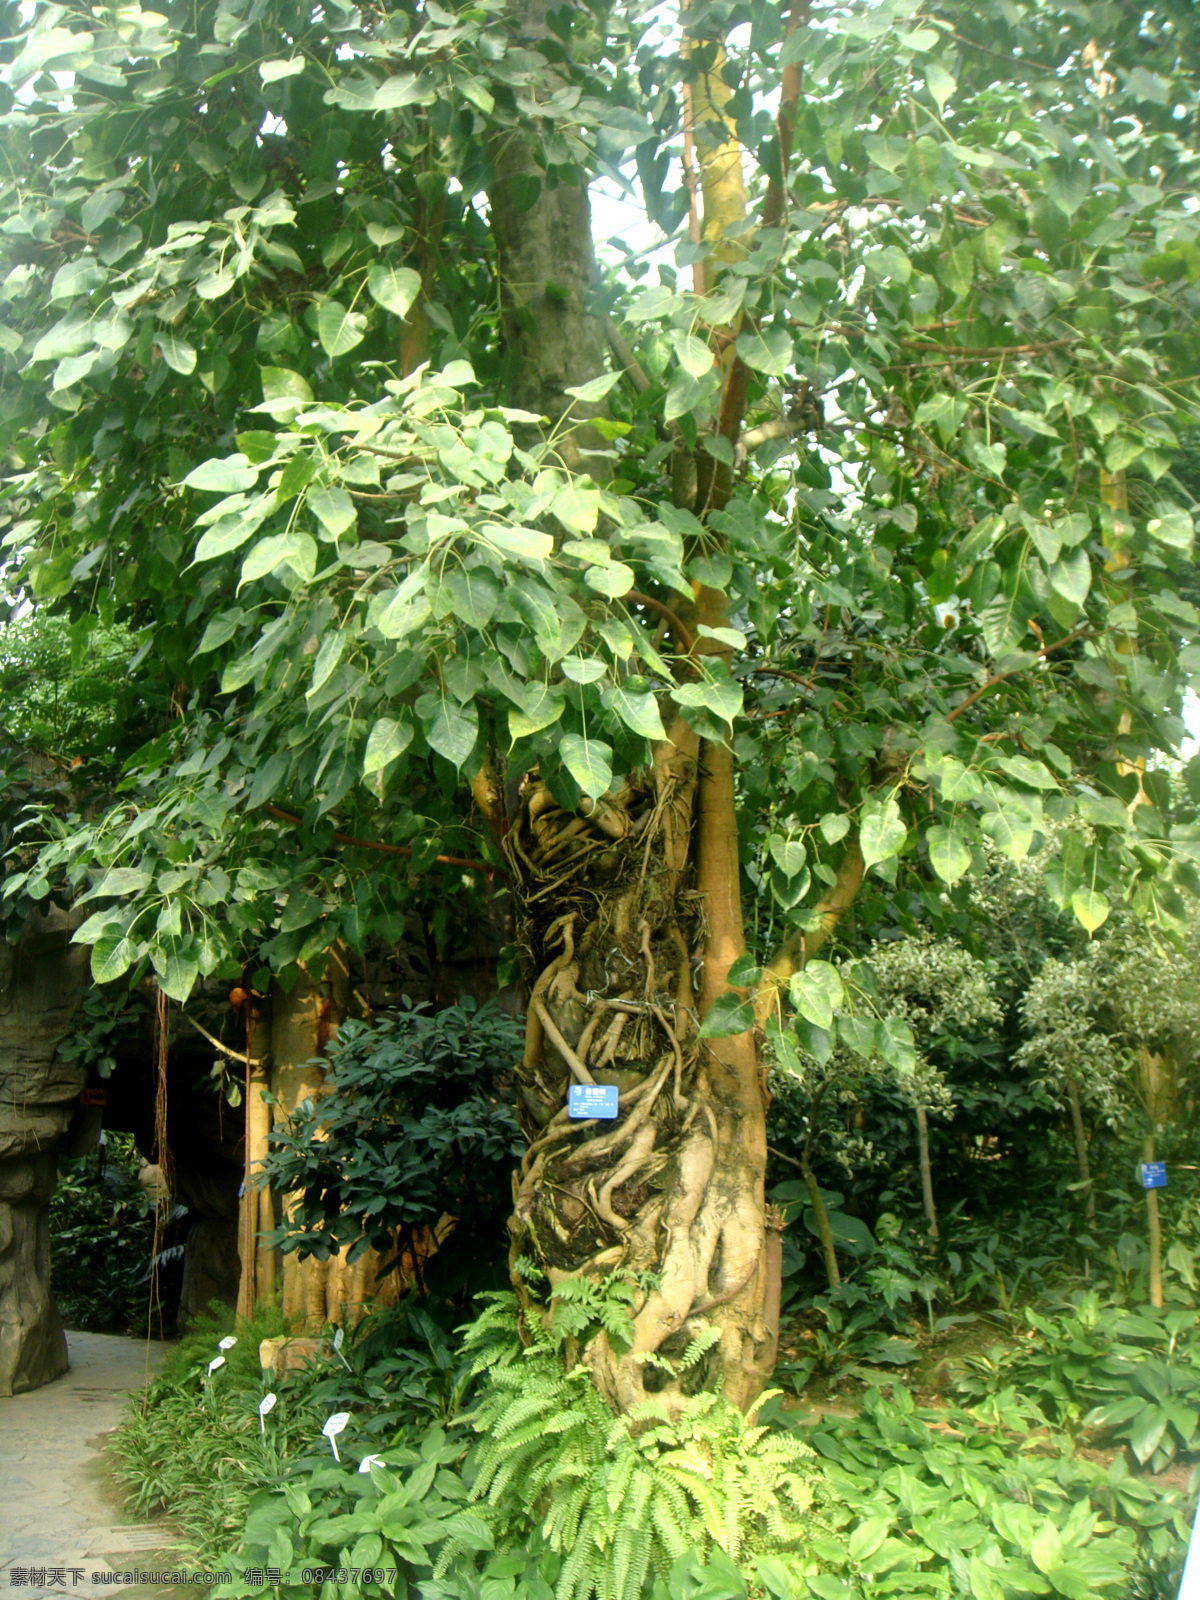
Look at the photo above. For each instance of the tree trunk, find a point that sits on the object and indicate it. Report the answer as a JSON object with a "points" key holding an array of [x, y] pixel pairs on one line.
{"points": [[302, 1022], [547, 266], [824, 1231], [256, 1211], [617, 907], [926, 1169], [1081, 1149], [1155, 1231]]}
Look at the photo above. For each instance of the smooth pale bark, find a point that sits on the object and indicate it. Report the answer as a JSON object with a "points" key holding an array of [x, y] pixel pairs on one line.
{"points": [[1157, 1086], [1154, 1230], [1078, 1128], [926, 1169], [302, 1022], [256, 1212]]}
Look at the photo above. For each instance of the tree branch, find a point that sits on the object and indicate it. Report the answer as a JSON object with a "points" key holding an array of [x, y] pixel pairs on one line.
{"points": [[239, 1056], [785, 121], [799, 946], [388, 849], [678, 628], [624, 354], [999, 677]]}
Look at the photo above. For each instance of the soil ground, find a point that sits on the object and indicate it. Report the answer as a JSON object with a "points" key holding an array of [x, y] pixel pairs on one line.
{"points": [[62, 1527]]}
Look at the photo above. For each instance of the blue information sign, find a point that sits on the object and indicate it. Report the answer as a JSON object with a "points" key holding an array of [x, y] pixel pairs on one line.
{"points": [[1154, 1174], [592, 1100]]}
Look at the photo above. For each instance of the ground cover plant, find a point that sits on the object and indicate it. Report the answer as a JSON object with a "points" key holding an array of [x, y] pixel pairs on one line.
{"points": [[503, 1476], [399, 1375]]}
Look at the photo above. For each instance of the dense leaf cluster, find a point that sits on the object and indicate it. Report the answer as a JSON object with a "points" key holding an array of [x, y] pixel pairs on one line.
{"points": [[956, 560], [415, 1123]]}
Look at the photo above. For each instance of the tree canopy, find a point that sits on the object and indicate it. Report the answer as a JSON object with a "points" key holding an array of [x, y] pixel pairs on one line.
{"points": [[957, 561], [870, 478]]}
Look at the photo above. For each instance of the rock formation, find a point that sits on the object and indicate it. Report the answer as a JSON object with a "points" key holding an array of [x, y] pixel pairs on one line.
{"points": [[41, 980]]}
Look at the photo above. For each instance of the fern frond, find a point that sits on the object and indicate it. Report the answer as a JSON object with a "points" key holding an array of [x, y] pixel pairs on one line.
{"points": [[699, 1347], [620, 1497]]}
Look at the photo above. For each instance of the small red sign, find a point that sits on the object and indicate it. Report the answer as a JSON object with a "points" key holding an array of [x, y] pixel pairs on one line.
{"points": [[93, 1097]]}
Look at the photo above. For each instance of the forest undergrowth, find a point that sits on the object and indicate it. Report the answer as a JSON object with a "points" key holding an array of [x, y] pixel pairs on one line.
{"points": [[1000, 1414]]}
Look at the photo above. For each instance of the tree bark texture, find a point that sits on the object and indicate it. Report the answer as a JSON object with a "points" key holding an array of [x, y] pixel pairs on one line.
{"points": [[547, 266], [926, 1169], [629, 916], [1154, 1230], [1075, 1100]]}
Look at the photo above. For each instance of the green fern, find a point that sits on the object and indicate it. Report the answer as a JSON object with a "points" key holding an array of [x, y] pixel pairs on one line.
{"points": [[621, 1498]]}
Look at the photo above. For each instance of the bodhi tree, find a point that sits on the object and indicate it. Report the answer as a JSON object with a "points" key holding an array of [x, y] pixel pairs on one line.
{"points": [[865, 547]]}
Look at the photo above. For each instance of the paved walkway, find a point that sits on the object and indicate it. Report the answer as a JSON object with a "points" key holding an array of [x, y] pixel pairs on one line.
{"points": [[60, 1515]]}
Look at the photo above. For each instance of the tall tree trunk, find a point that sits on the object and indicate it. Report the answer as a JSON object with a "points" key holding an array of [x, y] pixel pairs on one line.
{"points": [[621, 906], [256, 1211], [302, 1022], [547, 266], [926, 1169], [1154, 1229], [1075, 1100], [616, 907], [1158, 1083]]}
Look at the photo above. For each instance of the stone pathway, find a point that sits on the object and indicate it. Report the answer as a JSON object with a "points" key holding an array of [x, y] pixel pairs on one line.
{"points": [[60, 1516]]}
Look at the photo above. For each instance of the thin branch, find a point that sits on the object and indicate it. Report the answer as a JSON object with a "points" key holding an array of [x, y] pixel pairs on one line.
{"points": [[239, 1056], [999, 677], [634, 370], [680, 630], [388, 849], [624, 354], [785, 120]]}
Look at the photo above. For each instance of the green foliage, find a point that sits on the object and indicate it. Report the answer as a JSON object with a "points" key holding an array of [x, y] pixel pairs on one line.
{"points": [[102, 1239], [106, 1020], [415, 1121], [397, 1516], [558, 1498], [581, 1306], [353, 582], [1108, 1372], [66, 690], [621, 1499], [940, 1502], [398, 1374]]}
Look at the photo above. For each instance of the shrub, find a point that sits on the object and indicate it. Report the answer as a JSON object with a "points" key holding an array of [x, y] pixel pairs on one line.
{"points": [[102, 1239], [416, 1120]]}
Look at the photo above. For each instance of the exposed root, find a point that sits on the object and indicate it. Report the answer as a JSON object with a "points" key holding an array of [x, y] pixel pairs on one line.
{"points": [[611, 975]]}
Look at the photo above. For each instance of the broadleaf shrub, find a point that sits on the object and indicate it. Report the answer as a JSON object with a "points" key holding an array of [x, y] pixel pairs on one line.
{"points": [[416, 1120]]}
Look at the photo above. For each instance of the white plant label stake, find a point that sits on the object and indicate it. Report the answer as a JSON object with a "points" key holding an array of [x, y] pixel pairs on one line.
{"points": [[333, 1427], [338, 1338], [266, 1404], [227, 1343], [368, 1462], [217, 1361]]}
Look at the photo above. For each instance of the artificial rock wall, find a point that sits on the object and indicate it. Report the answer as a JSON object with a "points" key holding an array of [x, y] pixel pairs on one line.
{"points": [[41, 980]]}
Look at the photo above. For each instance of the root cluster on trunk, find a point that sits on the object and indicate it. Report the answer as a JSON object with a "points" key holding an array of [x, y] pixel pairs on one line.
{"points": [[613, 928]]}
